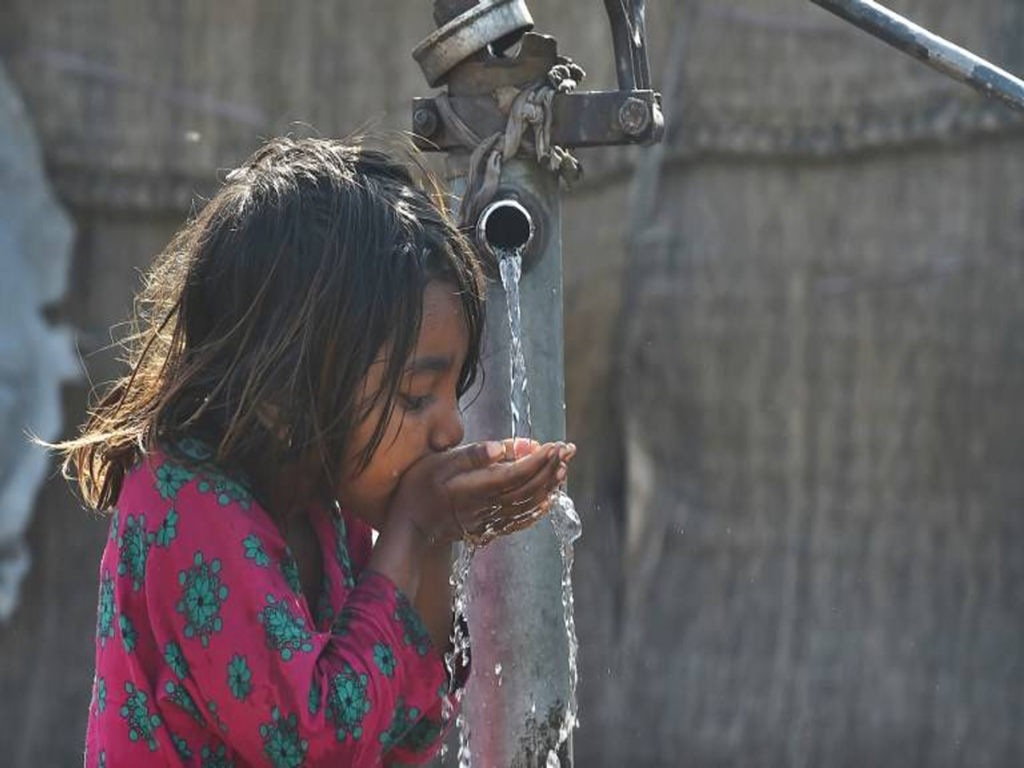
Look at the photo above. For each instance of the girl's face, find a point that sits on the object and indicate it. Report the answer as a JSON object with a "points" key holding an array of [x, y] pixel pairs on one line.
{"points": [[426, 417]]}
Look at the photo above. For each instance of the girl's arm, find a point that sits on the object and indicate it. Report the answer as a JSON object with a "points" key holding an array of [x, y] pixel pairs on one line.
{"points": [[434, 599]]}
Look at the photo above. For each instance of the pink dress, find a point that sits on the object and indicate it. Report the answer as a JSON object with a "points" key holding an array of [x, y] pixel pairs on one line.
{"points": [[208, 654]]}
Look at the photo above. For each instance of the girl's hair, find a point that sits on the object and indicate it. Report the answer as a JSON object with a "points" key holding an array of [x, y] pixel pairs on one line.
{"points": [[308, 265]]}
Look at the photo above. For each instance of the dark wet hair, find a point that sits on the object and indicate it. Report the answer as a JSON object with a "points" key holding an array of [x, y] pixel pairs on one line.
{"points": [[308, 265]]}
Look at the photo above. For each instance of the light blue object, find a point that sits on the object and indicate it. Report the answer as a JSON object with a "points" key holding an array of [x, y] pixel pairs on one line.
{"points": [[35, 357]]}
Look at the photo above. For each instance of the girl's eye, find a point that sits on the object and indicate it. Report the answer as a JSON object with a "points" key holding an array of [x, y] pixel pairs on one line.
{"points": [[416, 403]]}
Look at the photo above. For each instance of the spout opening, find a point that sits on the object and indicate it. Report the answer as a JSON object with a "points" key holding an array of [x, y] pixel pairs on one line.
{"points": [[505, 226]]}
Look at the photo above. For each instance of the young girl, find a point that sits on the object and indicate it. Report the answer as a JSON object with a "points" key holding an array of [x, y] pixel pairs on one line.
{"points": [[295, 383]]}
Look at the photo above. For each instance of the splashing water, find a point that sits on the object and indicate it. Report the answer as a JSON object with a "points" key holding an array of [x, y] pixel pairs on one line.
{"points": [[459, 654]]}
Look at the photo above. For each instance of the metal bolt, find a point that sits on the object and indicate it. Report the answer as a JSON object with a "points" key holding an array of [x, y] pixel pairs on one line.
{"points": [[634, 116], [424, 122]]}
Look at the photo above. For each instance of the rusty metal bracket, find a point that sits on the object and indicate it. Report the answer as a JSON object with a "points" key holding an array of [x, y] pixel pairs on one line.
{"points": [[593, 119]]}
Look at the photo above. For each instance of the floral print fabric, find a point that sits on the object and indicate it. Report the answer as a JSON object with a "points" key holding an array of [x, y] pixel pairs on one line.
{"points": [[207, 653]]}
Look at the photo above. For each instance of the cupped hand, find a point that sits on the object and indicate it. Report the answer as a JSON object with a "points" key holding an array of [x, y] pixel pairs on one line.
{"points": [[480, 491]]}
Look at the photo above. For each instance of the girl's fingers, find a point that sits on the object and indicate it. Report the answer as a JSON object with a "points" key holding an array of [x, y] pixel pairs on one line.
{"points": [[533, 491], [505, 477], [519, 447]]}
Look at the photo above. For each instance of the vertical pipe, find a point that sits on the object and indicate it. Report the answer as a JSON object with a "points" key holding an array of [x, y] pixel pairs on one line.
{"points": [[515, 609]]}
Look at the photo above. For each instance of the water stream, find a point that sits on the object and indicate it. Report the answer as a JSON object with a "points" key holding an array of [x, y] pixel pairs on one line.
{"points": [[564, 520]]}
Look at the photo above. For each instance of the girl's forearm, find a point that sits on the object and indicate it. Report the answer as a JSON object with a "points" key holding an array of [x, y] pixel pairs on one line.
{"points": [[421, 571], [434, 600], [399, 554]]}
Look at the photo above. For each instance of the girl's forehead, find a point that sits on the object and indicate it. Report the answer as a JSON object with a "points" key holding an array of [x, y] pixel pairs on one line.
{"points": [[443, 317]]}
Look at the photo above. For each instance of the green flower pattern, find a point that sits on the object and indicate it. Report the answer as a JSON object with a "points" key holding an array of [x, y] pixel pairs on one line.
{"points": [[171, 478], [177, 694], [128, 634], [281, 741], [210, 480], [414, 633], [341, 622], [315, 695], [211, 705], [384, 658], [347, 703], [101, 695], [105, 611], [239, 677], [286, 632], [181, 747], [215, 758], [176, 659], [290, 571], [202, 595], [142, 723], [341, 550], [324, 609], [254, 550], [168, 530], [194, 449], [133, 547], [225, 489], [401, 721]]}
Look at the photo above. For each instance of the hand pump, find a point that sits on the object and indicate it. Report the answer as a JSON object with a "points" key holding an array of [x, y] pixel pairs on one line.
{"points": [[507, 119]]}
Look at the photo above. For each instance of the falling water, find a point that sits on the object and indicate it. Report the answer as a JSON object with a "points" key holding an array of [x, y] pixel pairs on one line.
{"points": [[459, 653], [564, 518]]}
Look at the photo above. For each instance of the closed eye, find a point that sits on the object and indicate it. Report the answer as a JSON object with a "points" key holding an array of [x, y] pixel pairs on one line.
{"points": [[414, 404]]}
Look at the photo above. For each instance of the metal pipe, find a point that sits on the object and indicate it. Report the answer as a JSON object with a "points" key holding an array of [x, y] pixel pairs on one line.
{"points": [[504, 225], [932, 50], [519, 688], [621, 44], [641, 67]]}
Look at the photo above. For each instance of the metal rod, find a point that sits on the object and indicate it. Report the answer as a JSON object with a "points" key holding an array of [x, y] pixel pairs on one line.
{"points": [[936, 52], [641, 67], [620, 23]]}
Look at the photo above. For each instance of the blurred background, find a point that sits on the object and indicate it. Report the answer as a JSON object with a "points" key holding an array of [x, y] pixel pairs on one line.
{"points": [[794, 351]]}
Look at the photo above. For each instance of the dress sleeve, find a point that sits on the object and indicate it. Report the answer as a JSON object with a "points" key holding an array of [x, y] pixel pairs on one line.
{"points": [[425, 738], [227, 614]]}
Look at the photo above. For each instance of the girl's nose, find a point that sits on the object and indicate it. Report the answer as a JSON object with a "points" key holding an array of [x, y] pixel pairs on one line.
{"points": [[449, 431]]}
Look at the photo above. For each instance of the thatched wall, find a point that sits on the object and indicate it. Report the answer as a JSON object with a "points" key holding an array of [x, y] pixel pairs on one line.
{"points": [[793, 350]]}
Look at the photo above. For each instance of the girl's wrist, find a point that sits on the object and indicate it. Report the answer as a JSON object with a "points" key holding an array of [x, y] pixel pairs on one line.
{"points": [[399, 553]]}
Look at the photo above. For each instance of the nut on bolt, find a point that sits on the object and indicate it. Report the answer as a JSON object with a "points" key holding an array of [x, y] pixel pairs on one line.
{"points": [[424, 122], [634, 116]]}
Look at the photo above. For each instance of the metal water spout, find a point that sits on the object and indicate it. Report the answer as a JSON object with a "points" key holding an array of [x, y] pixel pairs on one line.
{"points": [[507, 118], [505, 226]]}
